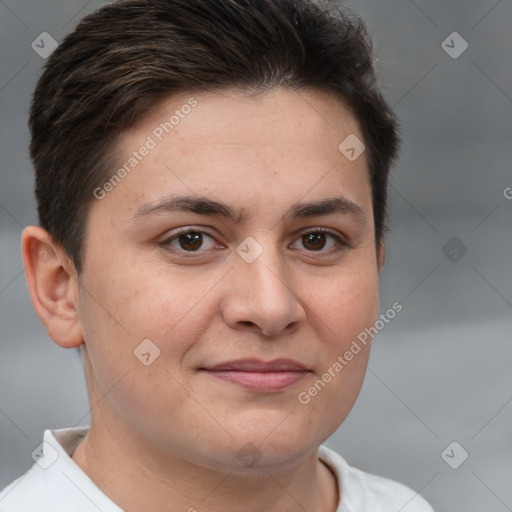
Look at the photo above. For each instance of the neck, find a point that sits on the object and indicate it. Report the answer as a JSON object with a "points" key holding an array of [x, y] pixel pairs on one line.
{"points": [[138, 476]]}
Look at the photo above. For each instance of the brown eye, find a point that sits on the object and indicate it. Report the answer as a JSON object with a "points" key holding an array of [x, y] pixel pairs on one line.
{"points": [[190, 241], [319, 240], [314, 241]]}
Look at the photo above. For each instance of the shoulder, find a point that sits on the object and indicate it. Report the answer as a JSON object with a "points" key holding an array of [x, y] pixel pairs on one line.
{"points": [[54, 491], [55, 483], [392, 495], [21, 494], [361, 491]]}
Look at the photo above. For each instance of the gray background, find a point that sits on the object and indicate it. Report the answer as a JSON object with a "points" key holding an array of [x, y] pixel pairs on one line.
{"points": [[440, 371]]}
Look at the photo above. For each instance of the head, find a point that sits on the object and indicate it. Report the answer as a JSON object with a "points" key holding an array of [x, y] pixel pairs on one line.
{"points": [[164, 134]]}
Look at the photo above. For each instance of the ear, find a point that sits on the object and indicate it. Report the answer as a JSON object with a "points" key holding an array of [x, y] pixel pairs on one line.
{"points": [[381, 255], [53, 285]]}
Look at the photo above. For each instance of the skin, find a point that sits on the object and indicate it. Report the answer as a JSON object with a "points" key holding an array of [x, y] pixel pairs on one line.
{"points": [[169, 432]]}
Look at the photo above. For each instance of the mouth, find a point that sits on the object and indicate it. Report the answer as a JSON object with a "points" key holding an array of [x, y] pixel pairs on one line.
{"points": [[259, 375]]}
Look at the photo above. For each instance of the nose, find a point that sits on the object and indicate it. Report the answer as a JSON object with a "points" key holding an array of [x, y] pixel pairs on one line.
{"points": [[262, 297]]}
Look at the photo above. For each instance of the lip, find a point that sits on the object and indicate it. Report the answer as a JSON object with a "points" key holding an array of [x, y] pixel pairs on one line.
{"points": [[260, 375], [257, 365]]}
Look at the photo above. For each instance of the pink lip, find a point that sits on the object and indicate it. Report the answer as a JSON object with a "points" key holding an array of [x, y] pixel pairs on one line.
{"points": [[260, 375], [256, 365]]}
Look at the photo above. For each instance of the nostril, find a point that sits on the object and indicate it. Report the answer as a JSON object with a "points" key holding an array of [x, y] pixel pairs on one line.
{"points": [[248, 323], [253, 327]]}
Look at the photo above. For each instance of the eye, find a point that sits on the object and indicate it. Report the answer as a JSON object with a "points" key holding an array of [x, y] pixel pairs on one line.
{"points": [[319, 240], [190, 241]]}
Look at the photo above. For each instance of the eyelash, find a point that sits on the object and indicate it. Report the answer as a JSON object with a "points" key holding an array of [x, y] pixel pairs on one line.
{"points": [[341, 244]]}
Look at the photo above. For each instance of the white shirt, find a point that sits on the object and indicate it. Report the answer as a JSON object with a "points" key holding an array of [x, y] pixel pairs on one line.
{"points": [[55, 483]]}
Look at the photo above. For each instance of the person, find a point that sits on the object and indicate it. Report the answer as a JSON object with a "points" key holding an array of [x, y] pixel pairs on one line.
{"points": [[211, 181]]}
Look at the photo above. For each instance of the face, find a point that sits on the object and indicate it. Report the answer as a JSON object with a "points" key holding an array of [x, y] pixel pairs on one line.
{"points": [[241, 234]]}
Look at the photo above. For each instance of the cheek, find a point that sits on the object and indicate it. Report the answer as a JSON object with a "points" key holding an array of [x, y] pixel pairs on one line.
{"points": [[139, 303], [114, 331], [345, 308], [341, 313], [345, 305]]}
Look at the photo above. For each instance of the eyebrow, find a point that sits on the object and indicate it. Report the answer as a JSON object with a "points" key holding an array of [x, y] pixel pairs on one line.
{"points": [[207, 206], [327, 207], [200, 205]]}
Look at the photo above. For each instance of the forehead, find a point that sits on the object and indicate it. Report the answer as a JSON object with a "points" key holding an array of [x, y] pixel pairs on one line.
{"points": [[292, 114], [282, 144]]}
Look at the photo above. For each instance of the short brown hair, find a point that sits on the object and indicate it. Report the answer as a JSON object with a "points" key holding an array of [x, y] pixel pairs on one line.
{"points": [[126, 57]]}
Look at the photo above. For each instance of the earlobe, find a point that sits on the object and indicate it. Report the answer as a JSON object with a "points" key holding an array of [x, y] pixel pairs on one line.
{"points": [[53, 285]]}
